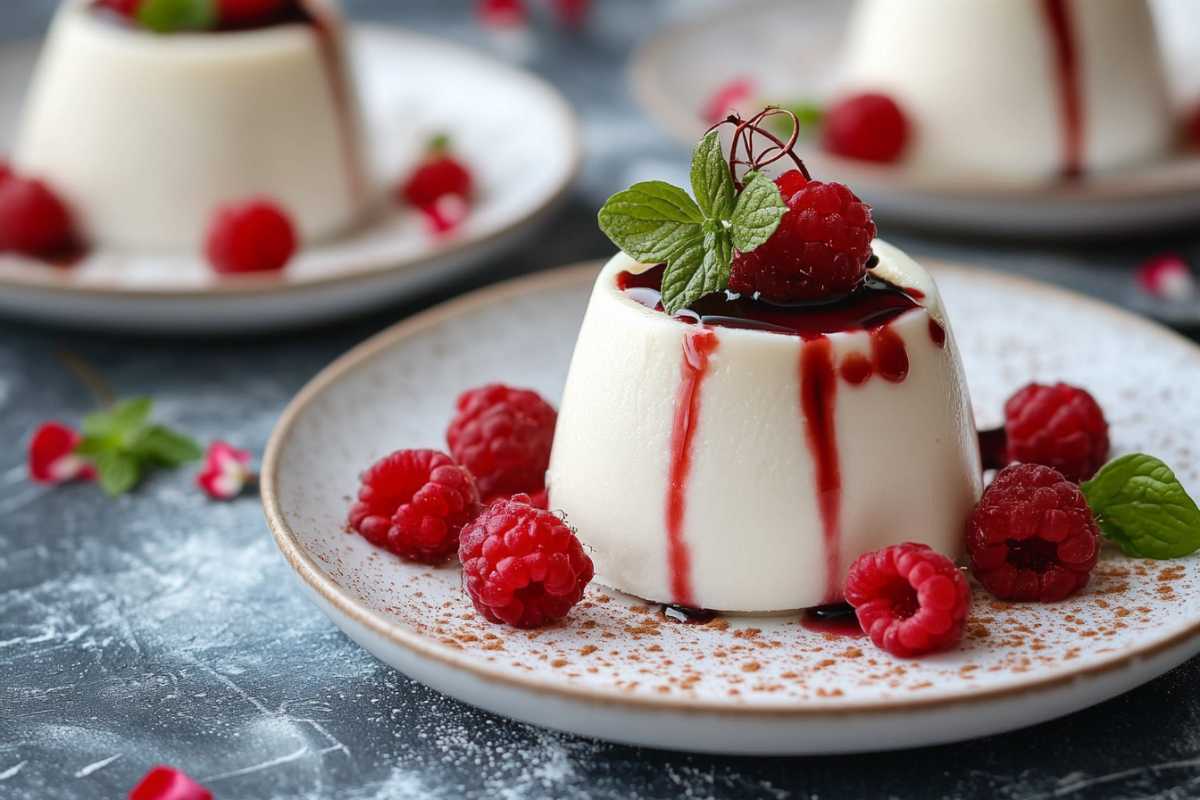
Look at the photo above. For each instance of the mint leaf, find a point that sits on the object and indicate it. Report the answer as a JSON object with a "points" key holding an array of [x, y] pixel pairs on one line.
{"points": [[711, 182], [171, 16], [118, 472], [163, 446], [757, 213], [651, 221], [702, 269], [120, 421], [1140, 505]]}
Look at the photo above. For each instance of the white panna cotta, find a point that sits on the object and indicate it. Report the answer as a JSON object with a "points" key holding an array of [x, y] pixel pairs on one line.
{"points": [[742, 464], [1015, 89], [146, 135]]}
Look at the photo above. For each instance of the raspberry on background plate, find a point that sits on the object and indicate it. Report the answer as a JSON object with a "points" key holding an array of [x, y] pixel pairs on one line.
{"points": [[34, 221], [869, 127], [255, 236]]}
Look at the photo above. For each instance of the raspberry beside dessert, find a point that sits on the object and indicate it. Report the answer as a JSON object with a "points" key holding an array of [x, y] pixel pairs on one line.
{"points": [[257, 236], [414, 503], [869, 127], [1032, 536], [820, 250], [909, 599], [522, 565], [1060, 426], [33, 220], [503, 435]]}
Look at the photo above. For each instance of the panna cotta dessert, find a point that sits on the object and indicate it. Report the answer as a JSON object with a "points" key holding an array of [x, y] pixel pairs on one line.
{"points": [[1009, 89], [738, 447], [146, 134]]}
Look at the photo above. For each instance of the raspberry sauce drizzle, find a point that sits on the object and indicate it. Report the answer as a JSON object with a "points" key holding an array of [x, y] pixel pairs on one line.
{"points": [[698, 344], [818, 392], [1066, 63], [837, 619]]}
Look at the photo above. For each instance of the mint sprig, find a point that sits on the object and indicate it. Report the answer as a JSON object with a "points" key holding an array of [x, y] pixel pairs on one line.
{"points": [[123, 444], [174, 16], [655, 222], [1142, 507]]}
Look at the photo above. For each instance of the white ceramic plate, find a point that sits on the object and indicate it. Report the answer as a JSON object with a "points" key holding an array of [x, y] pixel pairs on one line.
{"points": [[616, 669], [795, 48], [412, 86]]}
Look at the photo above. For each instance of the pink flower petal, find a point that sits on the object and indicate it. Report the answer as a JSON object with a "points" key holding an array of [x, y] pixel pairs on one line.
{"points": [[52, 457], [1167, 276], [166, 783]]}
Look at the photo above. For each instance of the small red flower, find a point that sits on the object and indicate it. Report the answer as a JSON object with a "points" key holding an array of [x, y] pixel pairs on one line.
{"points": [[226, 471], [727, 98], [1167, 276], [52, 456], [166, 783]]}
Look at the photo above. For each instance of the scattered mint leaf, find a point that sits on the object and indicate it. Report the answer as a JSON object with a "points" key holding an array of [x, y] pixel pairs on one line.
{"points": [[118, 472], [1140, 505], [651, 221], [711, 182], [756, 215], [173, 16], [163, 446], [120, 421]]}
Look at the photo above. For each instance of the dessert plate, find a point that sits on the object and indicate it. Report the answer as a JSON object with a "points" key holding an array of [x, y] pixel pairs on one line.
{"points": [[616, 668], [796, 46], [412, 87]]}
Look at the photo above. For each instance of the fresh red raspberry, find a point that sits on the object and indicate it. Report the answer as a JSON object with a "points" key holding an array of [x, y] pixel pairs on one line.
{"points": [[503, 436], [257, 236], [165, 783], [126, 8], [247, 13], [5, 171], [870, 127], [1032, 536], [728, 98], [439, 175], [522, 565], [414, 503], [1060, 426], [909, 598], [819, 251], [33, 220]]}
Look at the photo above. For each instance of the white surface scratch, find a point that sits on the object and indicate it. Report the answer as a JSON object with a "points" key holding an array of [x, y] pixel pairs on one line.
{"points": [[1075, 782], [13, 770], [96, 766], [274, 762]]}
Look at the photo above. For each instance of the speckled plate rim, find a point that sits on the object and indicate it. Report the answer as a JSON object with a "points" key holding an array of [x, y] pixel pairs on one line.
{"points": [[438, 251], [685, 127], [426, 647]]}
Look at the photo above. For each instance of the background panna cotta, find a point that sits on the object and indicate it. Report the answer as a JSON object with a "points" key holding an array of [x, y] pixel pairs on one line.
{"points": [[146, 135], [1015, 89], [742, 466]]}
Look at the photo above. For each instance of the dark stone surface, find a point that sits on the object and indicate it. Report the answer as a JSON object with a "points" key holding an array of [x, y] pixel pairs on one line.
{"points": [[164, 628]]}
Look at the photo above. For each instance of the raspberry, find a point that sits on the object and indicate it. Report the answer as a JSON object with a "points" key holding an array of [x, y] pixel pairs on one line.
{"points": [[522, 565], [1032, 536], [247, 13], [439, 176], [165, 783], [1059, 426], [33, 220], [5, 171], [414, 503], [909, 598], [503, 436], [870, 127], [126, 8], [819, 251], [256, 236], [727, 98]]}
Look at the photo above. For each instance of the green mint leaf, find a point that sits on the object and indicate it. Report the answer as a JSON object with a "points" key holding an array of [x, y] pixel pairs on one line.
{"points": [[119, 422], [161, 445], [703, 268], [118, 472], [711, 182], [173, 16], [757, 213], [1141, 506], [651, 221]]}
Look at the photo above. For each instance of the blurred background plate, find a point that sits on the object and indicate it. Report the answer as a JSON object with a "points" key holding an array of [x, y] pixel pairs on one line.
{"points": [[797, 44], [412, 86]]}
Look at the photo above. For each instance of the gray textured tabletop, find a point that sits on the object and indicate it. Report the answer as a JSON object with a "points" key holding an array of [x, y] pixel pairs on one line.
{"points": [[162, 627]]}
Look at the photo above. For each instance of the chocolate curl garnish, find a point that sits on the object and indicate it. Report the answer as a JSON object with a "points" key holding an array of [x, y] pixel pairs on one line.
{"points": [[743, 149]]}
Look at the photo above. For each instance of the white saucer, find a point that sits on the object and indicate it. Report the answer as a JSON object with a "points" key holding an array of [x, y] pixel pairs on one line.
{"points": [[795, 45], [515, 130], [616, 669]]}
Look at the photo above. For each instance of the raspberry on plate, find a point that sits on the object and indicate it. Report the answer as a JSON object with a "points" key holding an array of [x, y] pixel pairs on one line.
{"points": [[503, 436], [522, 565], [1032, 536], [257, 236], [1059, 426], [166, 783], [869, 127], [5, 171], [33, 220], [439, 175], [909, 599], [414, 503], [819, 251]]}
